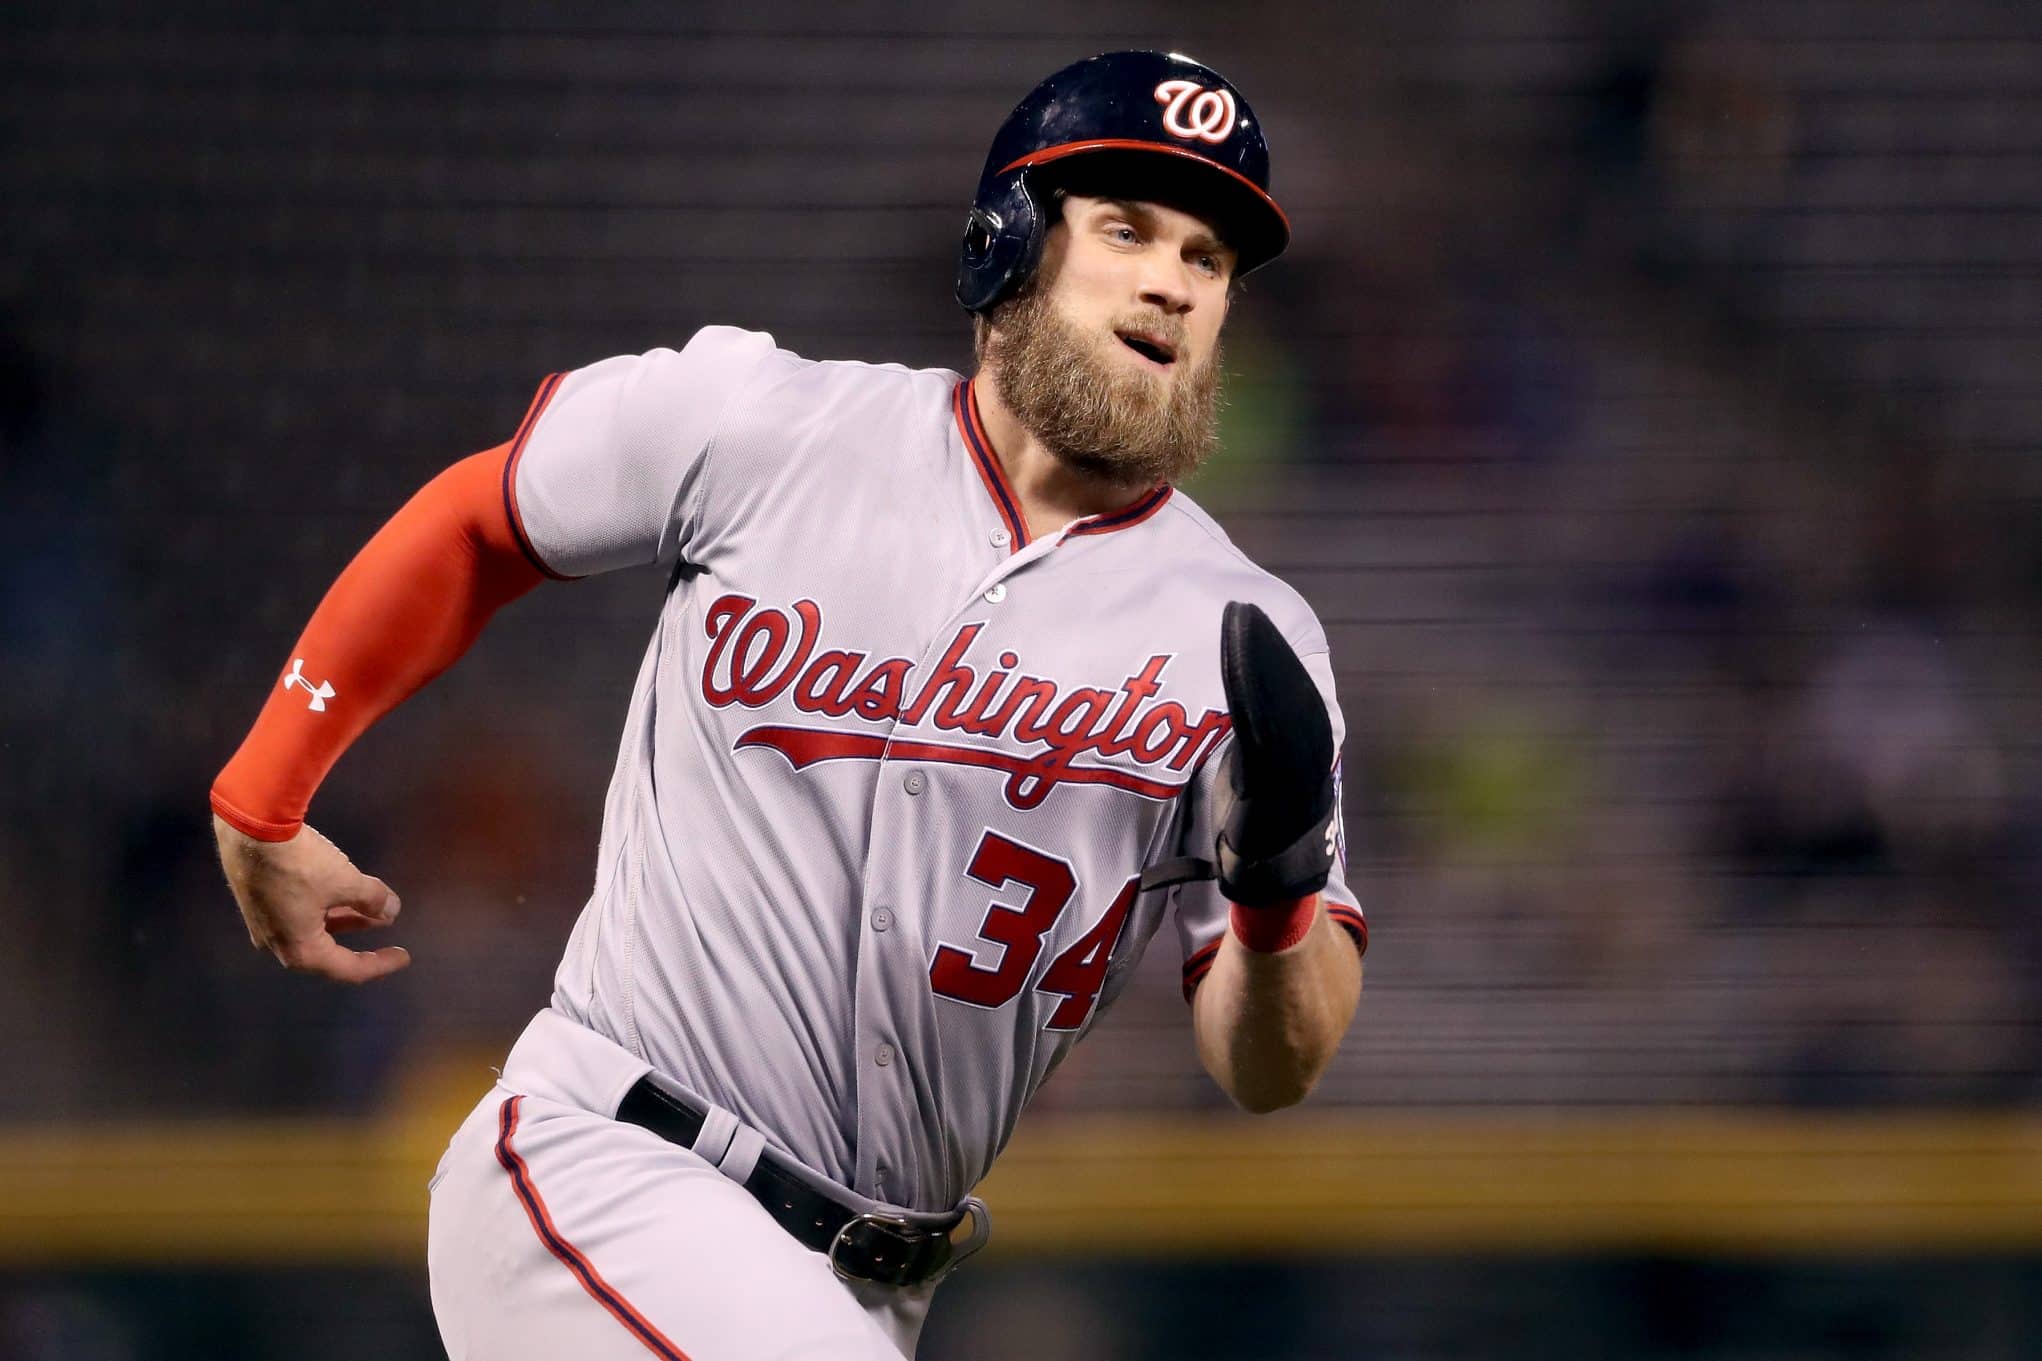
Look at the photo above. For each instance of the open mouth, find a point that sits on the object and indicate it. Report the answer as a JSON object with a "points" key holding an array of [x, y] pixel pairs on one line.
{"points": [[1149, 348]]}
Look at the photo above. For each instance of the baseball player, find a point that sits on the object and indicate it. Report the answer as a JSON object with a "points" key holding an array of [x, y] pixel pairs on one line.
{"points": [[951, 701]]}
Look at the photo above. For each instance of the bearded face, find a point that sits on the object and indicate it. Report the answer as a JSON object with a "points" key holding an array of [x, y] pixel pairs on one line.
{"points": [[1094, 396]]}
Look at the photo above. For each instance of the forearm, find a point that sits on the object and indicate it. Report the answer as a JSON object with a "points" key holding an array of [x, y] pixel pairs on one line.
{"points": [[1267, 1023], [413, 600]]}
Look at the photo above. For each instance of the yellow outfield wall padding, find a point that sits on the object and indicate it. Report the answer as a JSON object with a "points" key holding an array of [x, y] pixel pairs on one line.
{"points": [[1296, 1183]]}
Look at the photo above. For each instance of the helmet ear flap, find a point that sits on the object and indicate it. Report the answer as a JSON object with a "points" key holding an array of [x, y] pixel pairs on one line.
{"points": [[1001, 246]]}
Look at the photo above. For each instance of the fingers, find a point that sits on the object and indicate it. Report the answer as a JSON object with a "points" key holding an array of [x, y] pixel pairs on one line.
{"points": [[362, 904], [327, 957], [321, 954], [371, 903], [341, 920], [374, 899]]}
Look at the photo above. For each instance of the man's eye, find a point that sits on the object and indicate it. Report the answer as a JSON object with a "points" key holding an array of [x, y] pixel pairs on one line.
{"points": [[1122, 232], [1209, 263]]}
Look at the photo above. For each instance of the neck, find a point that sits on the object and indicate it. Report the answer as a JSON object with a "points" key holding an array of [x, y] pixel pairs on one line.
{"points": [[1052, 493]]}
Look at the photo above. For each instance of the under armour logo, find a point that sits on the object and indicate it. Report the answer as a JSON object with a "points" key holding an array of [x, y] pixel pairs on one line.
{"points": [[1195, 111], [320, 693]]}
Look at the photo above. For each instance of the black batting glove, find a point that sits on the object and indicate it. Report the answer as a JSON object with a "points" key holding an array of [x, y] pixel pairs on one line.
{"points": [[1274, 791]]}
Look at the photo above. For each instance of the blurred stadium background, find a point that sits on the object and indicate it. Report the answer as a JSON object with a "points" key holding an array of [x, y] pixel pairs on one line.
{"points": [[1650, 405]]}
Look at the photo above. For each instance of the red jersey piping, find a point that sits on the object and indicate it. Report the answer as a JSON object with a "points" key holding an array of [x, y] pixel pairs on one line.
{"points": [[1128, 516], [964, 405]]}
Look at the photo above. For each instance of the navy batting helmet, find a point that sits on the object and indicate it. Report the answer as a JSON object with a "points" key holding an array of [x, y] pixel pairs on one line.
{"points": [[1149, 124]]}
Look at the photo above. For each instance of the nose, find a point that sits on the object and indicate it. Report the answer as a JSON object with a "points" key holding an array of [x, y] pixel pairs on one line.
{"points": [[1166, 284]]}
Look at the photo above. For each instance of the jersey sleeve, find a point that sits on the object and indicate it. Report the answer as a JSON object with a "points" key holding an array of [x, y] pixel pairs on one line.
{"points": [[1201, 911], [610, 467]]}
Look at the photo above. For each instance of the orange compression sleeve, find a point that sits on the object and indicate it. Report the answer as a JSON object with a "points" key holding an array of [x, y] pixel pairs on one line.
{"points": [[413, 600]]}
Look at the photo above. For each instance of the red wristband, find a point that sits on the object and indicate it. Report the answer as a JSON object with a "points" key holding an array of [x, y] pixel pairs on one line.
{"points": [[1278, 926]]}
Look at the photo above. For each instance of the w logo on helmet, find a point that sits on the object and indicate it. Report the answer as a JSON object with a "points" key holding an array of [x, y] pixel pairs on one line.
{"points": [[1194, 111]]}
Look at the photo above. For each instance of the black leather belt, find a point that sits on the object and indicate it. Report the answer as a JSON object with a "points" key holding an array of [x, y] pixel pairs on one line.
{"points": [[861, 1245]]}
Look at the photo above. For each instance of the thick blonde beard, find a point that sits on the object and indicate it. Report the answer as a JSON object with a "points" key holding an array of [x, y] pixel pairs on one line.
{"points": [[1103, 419]]}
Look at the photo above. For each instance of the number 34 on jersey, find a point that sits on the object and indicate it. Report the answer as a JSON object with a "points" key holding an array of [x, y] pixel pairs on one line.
{"points": [[1012, 934]]}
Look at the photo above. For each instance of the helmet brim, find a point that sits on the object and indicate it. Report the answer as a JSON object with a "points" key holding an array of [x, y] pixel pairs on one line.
{"points": [[1246, 216]]}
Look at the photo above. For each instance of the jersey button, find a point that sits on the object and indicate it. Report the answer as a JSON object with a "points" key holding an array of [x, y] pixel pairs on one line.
{"points": [[996, 592], [882, 919], [913, 783], [883, 1056], [1001, 538]]}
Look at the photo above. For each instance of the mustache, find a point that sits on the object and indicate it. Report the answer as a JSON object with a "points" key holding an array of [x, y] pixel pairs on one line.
{"points": [[1160, 325]]}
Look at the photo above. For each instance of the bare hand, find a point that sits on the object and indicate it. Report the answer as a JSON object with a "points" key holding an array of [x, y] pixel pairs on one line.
{"points": [[297, 895]]}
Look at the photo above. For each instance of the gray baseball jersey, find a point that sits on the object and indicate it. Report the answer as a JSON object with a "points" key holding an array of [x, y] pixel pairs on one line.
{"points": [[892, 768]]}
